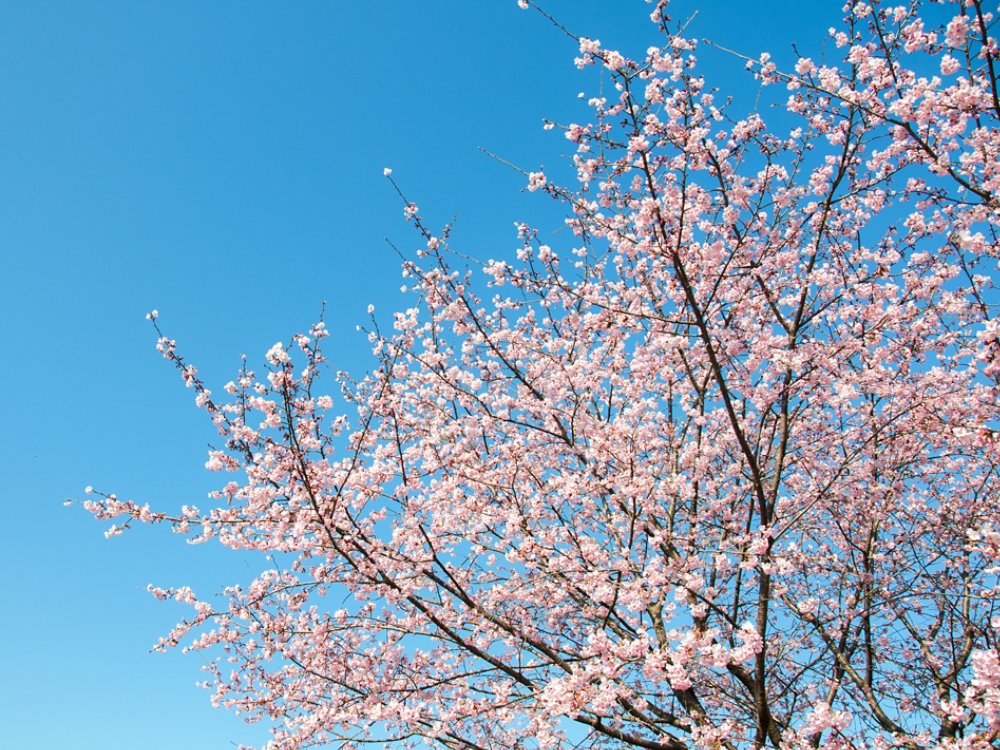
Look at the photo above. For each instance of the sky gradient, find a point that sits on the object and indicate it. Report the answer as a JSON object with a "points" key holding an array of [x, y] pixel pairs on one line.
{"points": [[222, 162]]}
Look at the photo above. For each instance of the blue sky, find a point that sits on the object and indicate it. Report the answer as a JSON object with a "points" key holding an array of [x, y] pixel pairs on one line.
{"points": [[222, 162]]}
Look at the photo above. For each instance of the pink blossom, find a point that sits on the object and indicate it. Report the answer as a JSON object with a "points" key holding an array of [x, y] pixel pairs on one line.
{"points": [[957, 31]]}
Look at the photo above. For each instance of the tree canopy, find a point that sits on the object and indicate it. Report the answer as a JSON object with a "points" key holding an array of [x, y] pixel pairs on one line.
{"points": [[715, 469]]}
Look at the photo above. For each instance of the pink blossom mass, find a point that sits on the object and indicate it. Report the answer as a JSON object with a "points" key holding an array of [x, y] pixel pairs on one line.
{"points": [[715, 467]]}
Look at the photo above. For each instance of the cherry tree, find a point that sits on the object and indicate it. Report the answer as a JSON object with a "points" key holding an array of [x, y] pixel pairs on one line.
{"points": [[718, 471]]}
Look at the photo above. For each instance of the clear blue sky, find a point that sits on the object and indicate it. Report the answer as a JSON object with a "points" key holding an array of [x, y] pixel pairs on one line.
{"points": [[222, 162]]}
